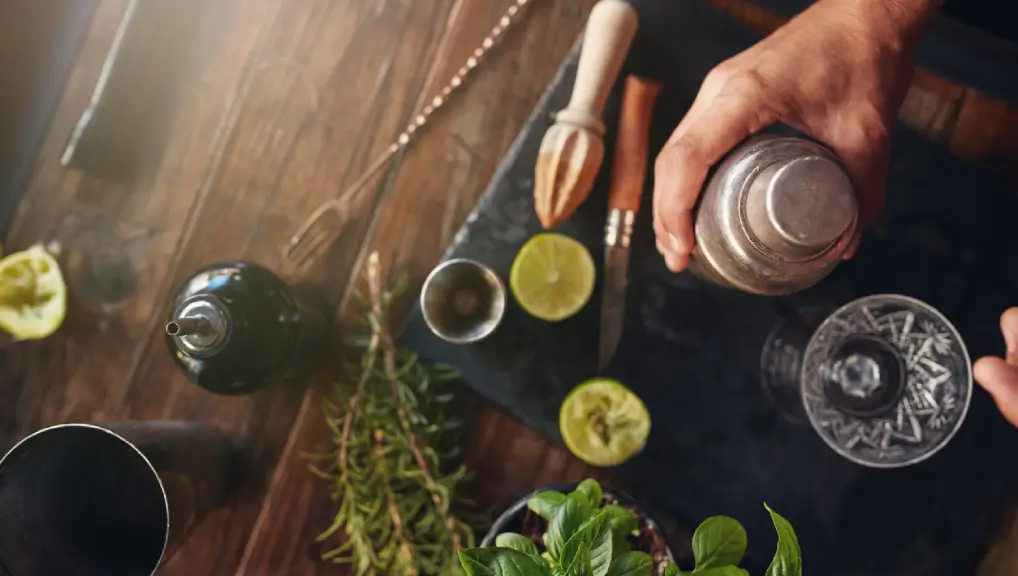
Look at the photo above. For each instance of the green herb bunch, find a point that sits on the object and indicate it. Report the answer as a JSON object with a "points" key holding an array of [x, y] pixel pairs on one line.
{"points": [[587, 537], [391, 443]]}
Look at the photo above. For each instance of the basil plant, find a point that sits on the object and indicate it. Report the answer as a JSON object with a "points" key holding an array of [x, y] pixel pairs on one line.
{"points": [[588, 537]]}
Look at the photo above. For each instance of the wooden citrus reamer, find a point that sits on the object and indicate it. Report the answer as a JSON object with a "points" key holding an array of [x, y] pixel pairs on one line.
{"points": [[573, 148]]}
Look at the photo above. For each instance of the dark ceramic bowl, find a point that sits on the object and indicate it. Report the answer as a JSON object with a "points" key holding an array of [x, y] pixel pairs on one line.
{"points": [[512, 519]]}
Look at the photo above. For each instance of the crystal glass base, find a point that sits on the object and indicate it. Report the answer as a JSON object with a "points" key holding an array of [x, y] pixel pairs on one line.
{"points": [[781, 361], [886, 381]]}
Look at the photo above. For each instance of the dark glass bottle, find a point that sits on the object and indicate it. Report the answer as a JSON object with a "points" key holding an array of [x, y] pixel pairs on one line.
{"points": [[235, 327]]}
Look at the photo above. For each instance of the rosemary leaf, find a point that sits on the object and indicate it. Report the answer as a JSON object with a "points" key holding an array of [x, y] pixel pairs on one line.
{"points": [[390, 460]]}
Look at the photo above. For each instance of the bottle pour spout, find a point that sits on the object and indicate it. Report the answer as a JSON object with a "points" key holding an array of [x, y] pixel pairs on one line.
{"points": [[189, 326], [199, 328]]}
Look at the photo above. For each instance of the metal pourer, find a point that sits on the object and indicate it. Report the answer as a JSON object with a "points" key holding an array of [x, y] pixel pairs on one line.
{"points": [[200, 328]]}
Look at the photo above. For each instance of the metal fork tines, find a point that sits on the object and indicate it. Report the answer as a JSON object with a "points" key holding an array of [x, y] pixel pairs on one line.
{"points": [[316, 235]]}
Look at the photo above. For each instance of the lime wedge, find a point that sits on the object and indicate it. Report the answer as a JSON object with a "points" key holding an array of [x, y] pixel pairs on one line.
{"points": [[603, 423], [552, 276], [33, 295]]}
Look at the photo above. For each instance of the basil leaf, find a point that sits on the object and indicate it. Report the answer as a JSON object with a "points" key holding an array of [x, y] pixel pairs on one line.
{"points": [[500, 562], [567, 520], [672, 570], [592, 490], [623, 524], [718, 541], [718, 571], [788, 557], [602, 545], [544, 504], [547, 558], [619, 546], [580, 565], [632, 564], [623, 521], [517, 542], [597, 537]]}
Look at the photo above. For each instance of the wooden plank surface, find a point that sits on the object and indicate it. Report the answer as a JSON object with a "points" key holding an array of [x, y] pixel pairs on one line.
{"points": [[291, 101]]}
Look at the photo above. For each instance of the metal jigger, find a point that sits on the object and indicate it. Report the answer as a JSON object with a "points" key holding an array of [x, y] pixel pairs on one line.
{"points": [[108, 499], [885, 380], [463, 301]]}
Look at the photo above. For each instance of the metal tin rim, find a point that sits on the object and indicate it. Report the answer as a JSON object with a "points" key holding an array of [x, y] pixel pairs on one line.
{"points": [[489, 273], [968, 399], [162, 488]]}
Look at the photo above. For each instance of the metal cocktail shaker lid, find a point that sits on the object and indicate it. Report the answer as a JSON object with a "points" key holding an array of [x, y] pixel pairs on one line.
{"points": [[799, 207], [776, 216]]}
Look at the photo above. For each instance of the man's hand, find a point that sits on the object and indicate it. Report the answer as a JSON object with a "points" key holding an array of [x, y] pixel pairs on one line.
{"points": [[999, 376], [838, 72]]}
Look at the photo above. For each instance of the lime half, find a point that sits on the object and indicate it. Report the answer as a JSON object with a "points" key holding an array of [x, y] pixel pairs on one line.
{"points": [[552, 276], [33, 295], [603, 423]]}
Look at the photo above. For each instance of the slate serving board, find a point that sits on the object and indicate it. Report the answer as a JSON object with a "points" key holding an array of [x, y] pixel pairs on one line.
{"points": [[692, 351]]}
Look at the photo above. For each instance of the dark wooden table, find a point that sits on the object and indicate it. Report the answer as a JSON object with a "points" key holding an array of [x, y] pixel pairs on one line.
{"points": [[292, 100]]}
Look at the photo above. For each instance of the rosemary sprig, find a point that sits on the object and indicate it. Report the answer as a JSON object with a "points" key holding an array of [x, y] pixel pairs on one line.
{"points": [[390, 450]]}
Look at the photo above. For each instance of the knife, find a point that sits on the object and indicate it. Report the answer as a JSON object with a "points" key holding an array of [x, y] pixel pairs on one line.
{"points": [[629, 167]]}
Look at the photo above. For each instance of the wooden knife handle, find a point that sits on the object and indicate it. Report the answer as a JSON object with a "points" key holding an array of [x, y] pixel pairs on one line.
{"points": [[606, 40], [629, 164]]}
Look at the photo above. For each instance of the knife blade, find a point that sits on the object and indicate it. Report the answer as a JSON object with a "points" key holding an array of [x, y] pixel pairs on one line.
{"points": [[629, 167]]}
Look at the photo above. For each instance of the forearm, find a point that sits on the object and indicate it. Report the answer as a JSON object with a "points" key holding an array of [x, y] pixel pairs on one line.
{"points": [[889, 28], [910, 15], [902, 19]]}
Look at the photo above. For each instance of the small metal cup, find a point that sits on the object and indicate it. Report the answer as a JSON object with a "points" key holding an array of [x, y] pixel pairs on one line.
{"points": [[463, 301], [111, 499]]}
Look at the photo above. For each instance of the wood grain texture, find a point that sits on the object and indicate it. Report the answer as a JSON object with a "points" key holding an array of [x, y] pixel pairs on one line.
{"points": [[631, 157], [291, 100]]}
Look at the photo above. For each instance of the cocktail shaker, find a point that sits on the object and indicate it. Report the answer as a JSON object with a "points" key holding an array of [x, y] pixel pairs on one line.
{"points": [[775, 216]]}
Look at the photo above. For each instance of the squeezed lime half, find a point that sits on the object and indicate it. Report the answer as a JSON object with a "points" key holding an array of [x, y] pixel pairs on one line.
{"points": [[604, 423], [33, 294]]}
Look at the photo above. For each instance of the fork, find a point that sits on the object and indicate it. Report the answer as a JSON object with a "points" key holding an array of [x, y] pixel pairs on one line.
{"points": [[324, 226]]}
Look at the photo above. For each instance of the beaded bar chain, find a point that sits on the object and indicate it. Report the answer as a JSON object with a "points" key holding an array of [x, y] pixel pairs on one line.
{"points": [[315, 235]]}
